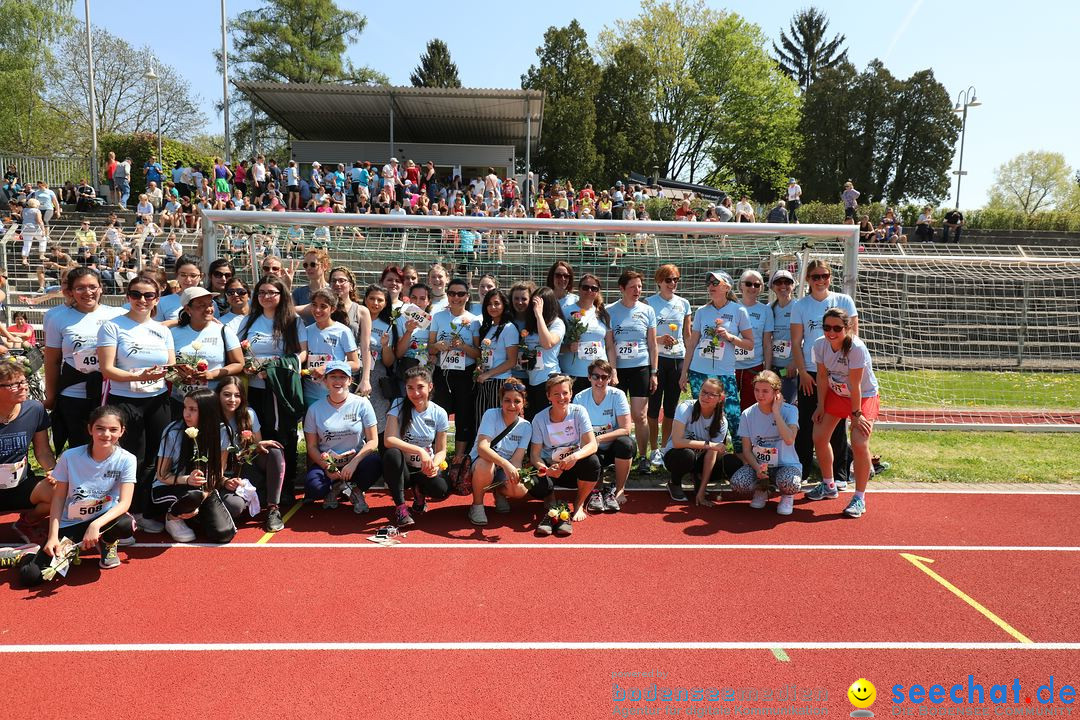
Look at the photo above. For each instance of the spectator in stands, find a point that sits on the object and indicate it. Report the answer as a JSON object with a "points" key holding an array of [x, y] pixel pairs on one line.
{"points": [[21, 331], [144, 209], [890, 226], [153, 171], [11, 181], [67, 193], [744, 210], [53, 265], [924, 226], [122, 180], [724, 211], [684, 212], [778, 214], [850, 196], [154, 195], [170, 250], [33, 229], [85, 241], [954, 222], [48, 203], [110, 170], [794, 199], [85, 196], [867, 233]]}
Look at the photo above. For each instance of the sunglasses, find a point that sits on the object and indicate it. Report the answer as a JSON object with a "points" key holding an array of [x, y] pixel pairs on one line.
{"points": [[712, 282], [672, 280], [271, 270], [236, 292], [515, 387], [833, 328], [590, 288], [457, 293], [598, 376], [562, 276], [311, 265], [783, 281], [136, 295], [752, 284], [821, 276], [223, 275]]}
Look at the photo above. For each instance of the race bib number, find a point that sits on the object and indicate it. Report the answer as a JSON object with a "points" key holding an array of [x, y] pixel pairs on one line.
{"points": [[11, 474], [317, 362], [589, 350], [560, 452], [85, 360], [781, 350], [839, 388], [562, 433], [708, 351], [630, 350], [766, 455], [87, 509], [181, 390], [414, 460], [412, 312], [147, 387], [452, 360], [744, 355]]}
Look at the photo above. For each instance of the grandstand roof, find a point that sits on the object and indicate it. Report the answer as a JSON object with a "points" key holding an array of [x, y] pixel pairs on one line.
{"points": [[364, 113]]}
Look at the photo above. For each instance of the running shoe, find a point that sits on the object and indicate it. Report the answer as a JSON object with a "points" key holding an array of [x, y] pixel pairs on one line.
{"points": [[126, 542], [477, 516], [856, 507], [359, 502], [786, 505], [657, 459], [644, 466], [546, 526], [179, 530], [402, 517], [502, 503], [611, 505], [821, 491], [149, 525], [273, 523], [760, 499], [35, 533], [879, 465], [564, 528], [596, 502], [419, 504], [675, 490], [841, 484], [109, 557], [331, 500]]}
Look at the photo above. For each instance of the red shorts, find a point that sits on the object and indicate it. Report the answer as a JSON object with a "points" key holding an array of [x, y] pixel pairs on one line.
{"points": [[839, 406]]}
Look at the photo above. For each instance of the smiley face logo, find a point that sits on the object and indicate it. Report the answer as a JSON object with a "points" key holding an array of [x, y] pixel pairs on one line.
{"points": [[862, 694]]}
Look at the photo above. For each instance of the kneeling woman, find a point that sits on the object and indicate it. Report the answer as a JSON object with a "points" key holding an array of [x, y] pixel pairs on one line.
{"points": [[190, 466], [698, 443], [769, 427], [563, 448], [499, 452], [846, 387], [94, 487], [266, 471], [23, 424], [609, 412], [415, 440], [342, 442]]}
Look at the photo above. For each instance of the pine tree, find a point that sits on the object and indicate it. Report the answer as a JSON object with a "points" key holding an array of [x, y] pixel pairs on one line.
{"points": [[806, 53], [436, 69]]}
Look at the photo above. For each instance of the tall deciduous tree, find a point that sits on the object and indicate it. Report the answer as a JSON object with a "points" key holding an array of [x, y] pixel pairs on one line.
{"points": [[293, 41], [806, 52], [568, 74], [1033, 181], [436, 69], [625, 135], [125, 98]]}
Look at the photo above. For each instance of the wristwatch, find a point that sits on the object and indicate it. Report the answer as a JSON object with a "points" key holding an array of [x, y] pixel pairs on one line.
{"points": [[654, 371], [856, 413]]}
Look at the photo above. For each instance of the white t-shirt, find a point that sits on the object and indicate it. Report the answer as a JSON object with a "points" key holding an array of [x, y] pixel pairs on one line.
{"points": [[492, 424], [838, 366], [138, 346], [340, 429], [769, 448], [93, 487], [699, 429], [605, 415]]}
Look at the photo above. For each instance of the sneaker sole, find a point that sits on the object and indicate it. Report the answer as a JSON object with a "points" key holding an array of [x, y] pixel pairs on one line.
{"points": [[110, 566], [544, 530], [675, 497]]}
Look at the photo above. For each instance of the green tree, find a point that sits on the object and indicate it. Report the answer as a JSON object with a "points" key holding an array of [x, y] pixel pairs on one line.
{"points": [[568, 74], [292, 41], [27, 33], [806, 52], [436, 69], [1033, 181], [625, 136]]}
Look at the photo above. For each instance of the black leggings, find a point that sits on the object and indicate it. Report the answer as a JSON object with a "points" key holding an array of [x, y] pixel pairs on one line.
{"points": [[69, 418], [398, 475], [454, 394], [667, 393], [584, 471], [277, 425], [119, 529], [804, 439], [683, 461], [146, 421], [621, 448]]}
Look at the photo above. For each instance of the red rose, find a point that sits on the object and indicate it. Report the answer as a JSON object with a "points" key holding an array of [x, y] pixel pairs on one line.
{"points": [[202, 366]]}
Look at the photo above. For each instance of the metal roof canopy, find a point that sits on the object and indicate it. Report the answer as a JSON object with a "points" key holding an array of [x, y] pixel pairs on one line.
{"points": [[368, 113]]}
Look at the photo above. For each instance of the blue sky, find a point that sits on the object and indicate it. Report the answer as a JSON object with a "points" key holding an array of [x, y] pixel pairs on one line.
{"points": [[1015, 55]]}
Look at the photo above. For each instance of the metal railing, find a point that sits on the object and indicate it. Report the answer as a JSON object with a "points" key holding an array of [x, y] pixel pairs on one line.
{"points": [[53, 170]]}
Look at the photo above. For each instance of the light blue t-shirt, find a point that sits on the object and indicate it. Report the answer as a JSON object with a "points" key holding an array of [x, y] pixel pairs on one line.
{"points": [[781, 339], [138, 346], [340, 429], [592, 345], [761, 322], [768, 446], [699, 429], [418, 340], [214, 342], [547, 362], [168, 308], [839, 366], [568, 300], [668, 312], [551, 436], [265, 345], [76, 334], [332, 343], [494, 354], [379, 327], [809, 312], [605, 415], [172, 440], [631, 326], [422, 430], [717, 359], [93, 487], [492, 424], [443, 326]]}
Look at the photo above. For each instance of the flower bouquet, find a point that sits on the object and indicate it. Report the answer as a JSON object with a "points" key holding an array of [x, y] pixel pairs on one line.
{"points": [[560, 511], [66, 556], [190, 360], [575, 328], [526, 476], [250, 361]]}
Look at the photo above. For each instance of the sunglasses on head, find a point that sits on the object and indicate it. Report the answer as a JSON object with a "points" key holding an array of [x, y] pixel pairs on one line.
{"points": [[517, 387], [833, 328], [136, 295], [236, 292]]}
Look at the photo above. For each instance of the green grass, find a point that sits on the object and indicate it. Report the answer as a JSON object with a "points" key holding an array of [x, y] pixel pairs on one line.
{"points": [[974, 389], [978, 457]]}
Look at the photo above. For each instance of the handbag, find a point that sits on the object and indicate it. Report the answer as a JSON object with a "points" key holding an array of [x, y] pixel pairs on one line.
{"points": [[459, 476], [218, 525]]}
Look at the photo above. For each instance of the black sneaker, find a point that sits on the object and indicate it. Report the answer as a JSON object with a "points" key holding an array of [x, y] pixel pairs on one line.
{"points": [[564, 528], [546, 526], [273, 521], [644, 466], [675, 490], [610, 503], [596, 502]]}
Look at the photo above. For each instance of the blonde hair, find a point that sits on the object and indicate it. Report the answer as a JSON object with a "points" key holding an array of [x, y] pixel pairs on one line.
{"points": [[768, 376]]}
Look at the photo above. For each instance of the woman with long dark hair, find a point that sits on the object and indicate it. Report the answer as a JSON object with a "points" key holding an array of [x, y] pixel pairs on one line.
{"points": [[698, 443], [238, 296], [267, 470], [497, 341], [560, 278], [499, 452], [595, 340], [327, 340], [355, 315], [538, 347], [217, 278], [188, 274]]}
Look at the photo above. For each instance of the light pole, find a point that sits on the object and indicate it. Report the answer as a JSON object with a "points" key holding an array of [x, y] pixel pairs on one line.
{"points": [[153, 77], [969, 100], [225, 86], [92, 100]]}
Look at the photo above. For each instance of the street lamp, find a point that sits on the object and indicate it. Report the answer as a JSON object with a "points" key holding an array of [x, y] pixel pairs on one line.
{"points": [[969, 100], [153, 77]]}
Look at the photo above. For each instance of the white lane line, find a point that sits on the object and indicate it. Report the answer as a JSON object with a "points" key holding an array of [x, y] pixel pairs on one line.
{"points": [[525, 646], [556, 545], [1069, 490]]}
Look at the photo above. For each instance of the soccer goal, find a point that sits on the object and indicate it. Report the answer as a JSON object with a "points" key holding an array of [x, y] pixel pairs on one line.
{"points": [[959, 340]]}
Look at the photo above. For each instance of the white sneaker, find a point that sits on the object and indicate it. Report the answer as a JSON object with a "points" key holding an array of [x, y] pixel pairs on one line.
{"points": [[178, 529], [657, 458], [787, 504], [761, 498], [149, 525]]}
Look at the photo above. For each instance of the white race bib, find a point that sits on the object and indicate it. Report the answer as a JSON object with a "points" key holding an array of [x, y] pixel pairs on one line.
{"points": [[11, 474], [744, 355], [560, 452], [839, 388], [317, 362], [707, 351], [589, 350], [562, 433], [147, 387], [630, 350], [766, 455], [781, 350], [414, 460], [86, 509], [85, 360], [412, 312], [452, 360]]}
